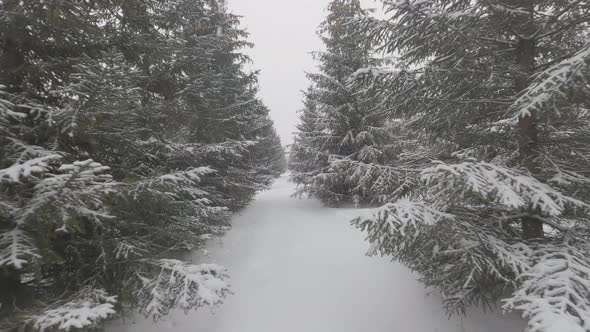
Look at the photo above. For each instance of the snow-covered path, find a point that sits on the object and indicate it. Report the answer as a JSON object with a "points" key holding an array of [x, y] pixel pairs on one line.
{"points": [[299, 267]]}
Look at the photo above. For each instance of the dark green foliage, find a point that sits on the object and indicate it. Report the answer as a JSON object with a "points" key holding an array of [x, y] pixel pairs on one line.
{"points": [[129, 132]]}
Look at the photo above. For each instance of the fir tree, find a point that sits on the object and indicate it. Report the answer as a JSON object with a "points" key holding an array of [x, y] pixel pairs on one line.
{"points": [[306, 159], [352, 128]]}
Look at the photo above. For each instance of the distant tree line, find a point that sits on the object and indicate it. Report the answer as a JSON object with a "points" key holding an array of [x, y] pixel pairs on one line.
{"points": [[468, 122], [129, 132]]}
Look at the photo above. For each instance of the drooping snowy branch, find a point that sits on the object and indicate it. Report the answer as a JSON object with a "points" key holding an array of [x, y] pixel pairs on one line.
{"points": [[553, 82], [76, 191], [25, 159], [555, 292], [181, 285], [87, 309], [191, 176], [185, 187], [504, 186], [386, 225], [30, 167], [16, 248]]}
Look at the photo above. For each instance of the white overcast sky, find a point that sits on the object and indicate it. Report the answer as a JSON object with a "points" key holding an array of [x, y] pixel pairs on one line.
{"points": [[284, 34]]}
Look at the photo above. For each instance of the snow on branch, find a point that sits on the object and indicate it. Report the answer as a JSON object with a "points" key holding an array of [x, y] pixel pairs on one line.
{"points": [[432, 9], [384, 182], [555, 292], [181, 185], [17, 171], [182, 285], [514, 256], [235, 148], [223, 150], [321, 77], [77, 190], [27, 159], [88, 309], [15, 248], [501, 185], [6, 110], [373, 72], [385, 225], [15, 107], [566, 177], [192, 175], [21, 151], [553, 82]]}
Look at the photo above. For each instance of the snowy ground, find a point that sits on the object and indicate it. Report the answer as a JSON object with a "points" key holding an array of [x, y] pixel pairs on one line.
{"points": [[299, 267]]}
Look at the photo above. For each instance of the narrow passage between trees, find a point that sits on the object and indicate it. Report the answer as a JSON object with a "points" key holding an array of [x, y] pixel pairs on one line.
{"points": [[299, 267]]}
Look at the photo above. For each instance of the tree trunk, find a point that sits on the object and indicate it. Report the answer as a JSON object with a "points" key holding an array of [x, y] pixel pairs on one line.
{"points": [[528, 132]]}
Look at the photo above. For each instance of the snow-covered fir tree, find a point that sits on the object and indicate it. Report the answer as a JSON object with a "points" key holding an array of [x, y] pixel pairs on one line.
{"points": [[497, 91], [272, 156], [129, 132], [306, 158], [332, 158]]}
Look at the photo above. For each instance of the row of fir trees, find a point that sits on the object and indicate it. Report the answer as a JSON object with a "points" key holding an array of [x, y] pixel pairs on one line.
{"points": [[466, 124], [129, 132]]}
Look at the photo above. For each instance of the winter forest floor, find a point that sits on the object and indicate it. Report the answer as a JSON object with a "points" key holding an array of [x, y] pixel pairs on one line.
{"points": [[299, 267]]}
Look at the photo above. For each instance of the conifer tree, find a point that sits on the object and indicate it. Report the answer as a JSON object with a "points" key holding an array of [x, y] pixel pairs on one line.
{"points": [[352, 129], [306, 159]]}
